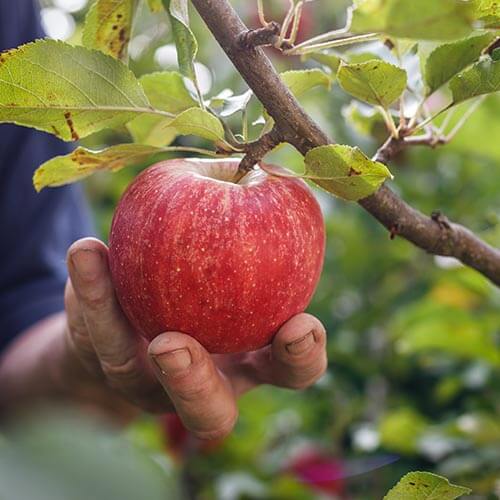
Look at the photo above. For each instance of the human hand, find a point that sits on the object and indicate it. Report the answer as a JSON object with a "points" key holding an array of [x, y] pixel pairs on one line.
{"points": [[174, 372]]}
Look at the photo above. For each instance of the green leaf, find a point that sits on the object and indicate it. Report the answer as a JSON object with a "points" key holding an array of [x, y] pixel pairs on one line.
{"points": [[187, 46], [424, 20], [482, 78], [425, 486], [196, 121], [375, 82], [68, 91], [300, 81], [108, 27], [155, 5], [345, 171], [447, 60], [82, 162], [166, 91]]}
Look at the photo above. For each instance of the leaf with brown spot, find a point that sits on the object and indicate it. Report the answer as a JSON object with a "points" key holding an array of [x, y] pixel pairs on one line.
{"points": [[69, 91], [345, 171], [425, 486], [108, 27], [83, 162]]}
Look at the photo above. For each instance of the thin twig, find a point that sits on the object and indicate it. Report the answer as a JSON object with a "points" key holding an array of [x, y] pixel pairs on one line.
{"points": [[286, 24], [339, 42], [260, 11], [296, 23], [341, 33]]}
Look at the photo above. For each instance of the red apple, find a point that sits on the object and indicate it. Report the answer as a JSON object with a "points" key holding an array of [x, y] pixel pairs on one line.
{"points": [[193, 249]]}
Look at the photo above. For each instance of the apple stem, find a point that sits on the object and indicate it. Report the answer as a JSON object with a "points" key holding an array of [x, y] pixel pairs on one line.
{"points": [[255, 151]]}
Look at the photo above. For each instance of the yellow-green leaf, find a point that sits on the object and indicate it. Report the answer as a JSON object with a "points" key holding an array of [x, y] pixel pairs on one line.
{"points": [[68, 91], [108, 27], [196, 121], [345, 171], [82, 162], [425, 486], [375, 82], [488, 13]]}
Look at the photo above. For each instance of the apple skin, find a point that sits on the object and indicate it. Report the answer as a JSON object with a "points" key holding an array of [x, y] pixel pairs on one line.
{"points": [[227, 263]]}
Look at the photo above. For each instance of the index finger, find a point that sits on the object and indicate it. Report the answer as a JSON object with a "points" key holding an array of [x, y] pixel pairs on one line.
{"points": [[120, 351]]}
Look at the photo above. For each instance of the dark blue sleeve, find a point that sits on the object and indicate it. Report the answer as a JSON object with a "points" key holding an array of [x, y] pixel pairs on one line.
{"points": [[35, 229]]}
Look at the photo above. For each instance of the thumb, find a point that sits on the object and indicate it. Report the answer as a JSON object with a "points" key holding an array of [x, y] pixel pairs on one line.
{"points": [[202, 396]]}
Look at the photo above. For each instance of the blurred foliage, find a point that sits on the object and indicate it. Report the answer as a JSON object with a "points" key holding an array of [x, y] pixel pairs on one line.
{"points": [[414, 340]]}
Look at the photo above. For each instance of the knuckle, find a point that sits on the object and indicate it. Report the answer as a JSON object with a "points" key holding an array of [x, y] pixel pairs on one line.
{"points": [[301, 364], [308, 376], [222, 430], [95, 298], [80, 339], [190, 390], [118, 374]]}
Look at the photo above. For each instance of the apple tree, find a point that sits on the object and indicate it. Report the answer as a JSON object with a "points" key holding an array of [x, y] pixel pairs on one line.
{"points": [[407, 76]]}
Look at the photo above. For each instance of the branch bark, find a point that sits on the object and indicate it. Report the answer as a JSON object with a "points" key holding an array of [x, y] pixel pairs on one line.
{"points": [[297, 128]]}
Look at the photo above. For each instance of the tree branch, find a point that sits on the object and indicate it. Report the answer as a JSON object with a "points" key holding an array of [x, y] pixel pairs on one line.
{"points": [[297, 128], [394, 145]]}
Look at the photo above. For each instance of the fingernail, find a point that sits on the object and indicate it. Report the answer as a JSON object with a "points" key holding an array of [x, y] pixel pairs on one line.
{"points": [[174, 361], [301, 345], [87, 263]]}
